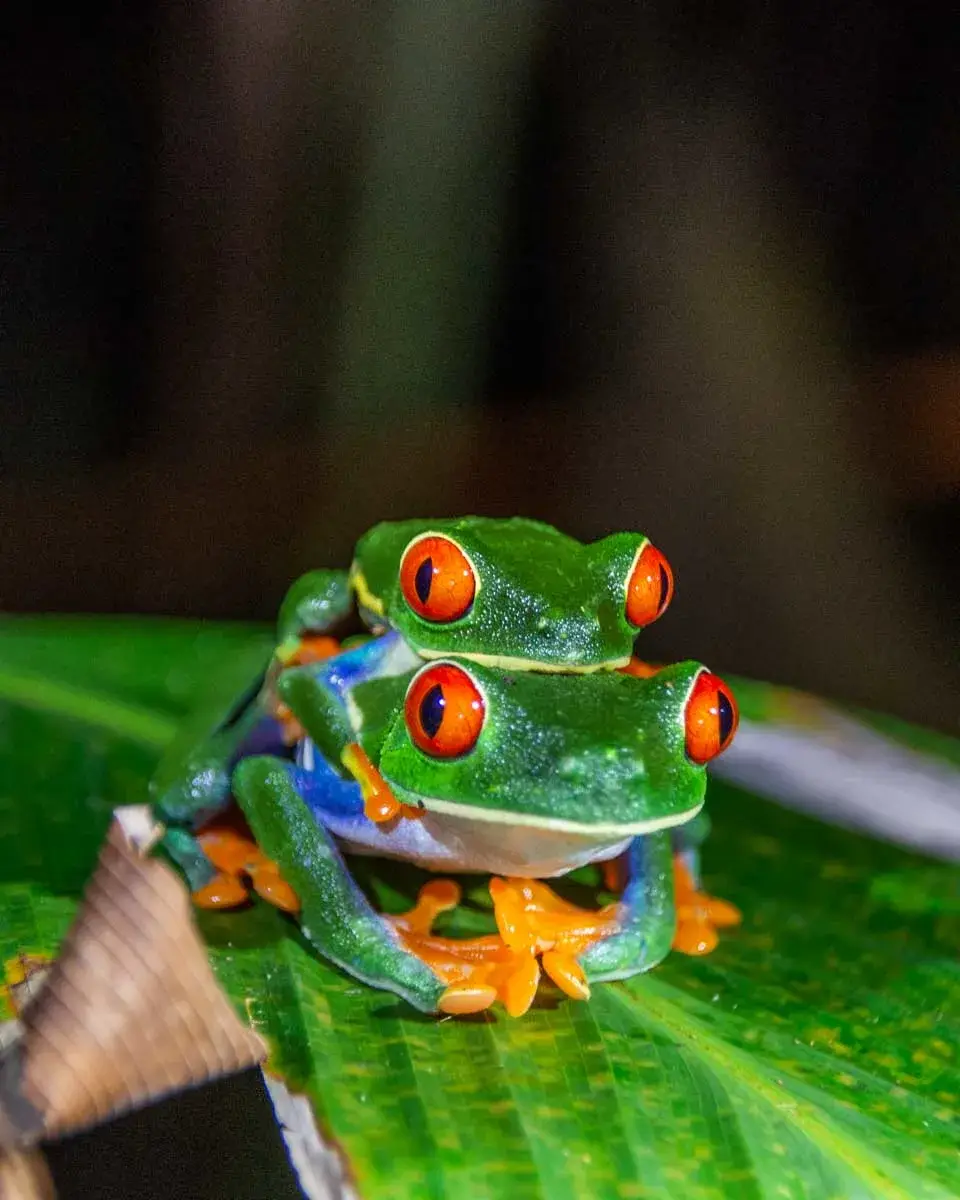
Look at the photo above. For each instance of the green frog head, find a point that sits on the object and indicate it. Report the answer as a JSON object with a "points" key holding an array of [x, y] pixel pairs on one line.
{"points": [[607, 755], [511, 593]]}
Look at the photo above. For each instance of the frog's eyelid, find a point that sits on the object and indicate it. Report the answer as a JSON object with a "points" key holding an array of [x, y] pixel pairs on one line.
{"points": [[446, 661], [625, 583]]}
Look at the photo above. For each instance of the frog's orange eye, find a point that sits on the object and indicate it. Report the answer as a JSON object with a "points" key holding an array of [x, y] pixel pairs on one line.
{"points": [[444, 711], [437, 579], [649, 588], [711, 718]]}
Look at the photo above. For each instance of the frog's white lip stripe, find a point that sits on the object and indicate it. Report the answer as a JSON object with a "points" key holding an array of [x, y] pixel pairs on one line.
{"points": [[501, 816], [526, 664]]}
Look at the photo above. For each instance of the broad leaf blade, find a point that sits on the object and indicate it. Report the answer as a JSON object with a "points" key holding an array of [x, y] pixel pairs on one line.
{"points": [[814, 1054]]}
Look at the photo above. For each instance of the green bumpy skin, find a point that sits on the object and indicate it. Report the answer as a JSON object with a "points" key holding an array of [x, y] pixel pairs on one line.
{"points": [[543, 600]]}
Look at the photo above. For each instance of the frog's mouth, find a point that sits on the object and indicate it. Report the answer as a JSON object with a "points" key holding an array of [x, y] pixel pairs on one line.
{"points": [[505, 663], [462, 837], [604, 829]]}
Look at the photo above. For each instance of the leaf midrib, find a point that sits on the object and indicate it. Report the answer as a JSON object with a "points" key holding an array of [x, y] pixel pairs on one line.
{"points": [[658, 1007]]}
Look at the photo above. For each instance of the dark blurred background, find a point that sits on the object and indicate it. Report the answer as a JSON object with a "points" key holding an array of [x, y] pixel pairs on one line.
{"points": [[274, 271]]}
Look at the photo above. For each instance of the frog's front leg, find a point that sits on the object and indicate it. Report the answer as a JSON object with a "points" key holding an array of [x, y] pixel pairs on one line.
{"points": [[335, 915], [576, 946], [645, 915], [316, 692], [699, 915]]}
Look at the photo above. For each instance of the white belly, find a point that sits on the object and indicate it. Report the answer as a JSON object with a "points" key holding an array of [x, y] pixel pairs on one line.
{"points": [[457, 842]]}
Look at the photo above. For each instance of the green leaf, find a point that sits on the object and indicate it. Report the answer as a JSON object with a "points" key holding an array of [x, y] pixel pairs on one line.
{"points": [[814, 1054]]}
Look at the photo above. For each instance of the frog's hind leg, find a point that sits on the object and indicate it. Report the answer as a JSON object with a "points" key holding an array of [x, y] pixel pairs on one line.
{"points": [[335, 916]]}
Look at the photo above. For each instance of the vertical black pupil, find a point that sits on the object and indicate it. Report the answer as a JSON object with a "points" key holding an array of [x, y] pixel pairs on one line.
{"points": [[431, 711], [664, 589], [724, 717], [424, 579]]}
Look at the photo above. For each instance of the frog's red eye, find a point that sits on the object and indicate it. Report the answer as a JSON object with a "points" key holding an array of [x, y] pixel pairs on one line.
{"points": [[444, 711], [437, 579], [711, 718], [649, 588]]}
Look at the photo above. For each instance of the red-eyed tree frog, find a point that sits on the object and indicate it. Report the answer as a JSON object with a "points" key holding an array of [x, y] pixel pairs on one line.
{"points": [[492, 723], [509, 593]]}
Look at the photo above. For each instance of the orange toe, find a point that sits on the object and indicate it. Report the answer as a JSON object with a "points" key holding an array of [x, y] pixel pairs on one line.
{"points": [[722, 914], [461, 999], [436, 897], [567, 974], [639, 668], [379, 803], [614, 873], [270, 885], [223, 891], [312, 648], [695, 938], [520, 987], [290, 728], [699, 916]]}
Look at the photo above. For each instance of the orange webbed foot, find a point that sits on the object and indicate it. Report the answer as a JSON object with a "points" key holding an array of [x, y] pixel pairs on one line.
{"points": [[536, 923], [238, 858], [532, 917], [478, 971], [699, 916]]}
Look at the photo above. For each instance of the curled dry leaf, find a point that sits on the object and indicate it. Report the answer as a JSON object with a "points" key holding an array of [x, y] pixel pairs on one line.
{"points": [[129, 1012]]}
